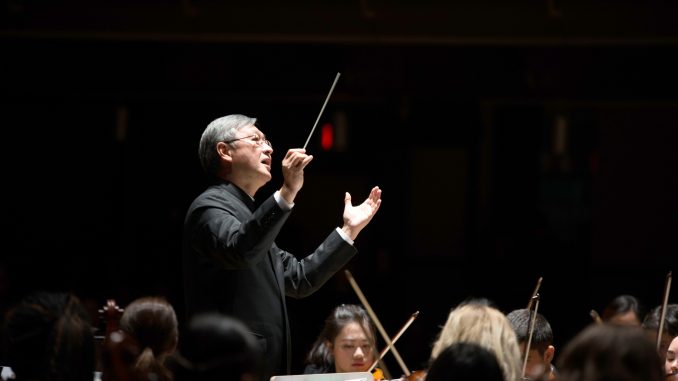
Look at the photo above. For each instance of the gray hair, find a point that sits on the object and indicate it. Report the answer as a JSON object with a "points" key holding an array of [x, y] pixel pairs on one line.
{"points": [[219, 130]]}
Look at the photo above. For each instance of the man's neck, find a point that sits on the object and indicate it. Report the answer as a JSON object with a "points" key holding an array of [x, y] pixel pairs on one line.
{"points": [[249, 190]]}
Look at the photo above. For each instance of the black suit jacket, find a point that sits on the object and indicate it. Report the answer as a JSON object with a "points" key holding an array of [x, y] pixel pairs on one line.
{"points": [[233, 266]]}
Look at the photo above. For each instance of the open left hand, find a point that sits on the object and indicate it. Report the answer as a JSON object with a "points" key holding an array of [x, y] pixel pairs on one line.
{"points": [[357, 217]]}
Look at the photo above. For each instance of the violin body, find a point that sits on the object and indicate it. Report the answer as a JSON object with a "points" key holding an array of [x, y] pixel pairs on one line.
{"points": [[417, 375]]}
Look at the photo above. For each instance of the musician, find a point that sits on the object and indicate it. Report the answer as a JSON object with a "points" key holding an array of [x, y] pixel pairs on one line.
{"points": [[624, 310], [48, 336], [464, 361], [671, 363], [669, 330], [345, 344], [231, 262], [477, 321], [216, 347], [609, 352], [152, 323], [540, 356]]}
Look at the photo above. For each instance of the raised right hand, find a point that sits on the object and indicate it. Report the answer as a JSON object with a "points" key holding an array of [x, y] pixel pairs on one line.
{"points": [[293, 165]]}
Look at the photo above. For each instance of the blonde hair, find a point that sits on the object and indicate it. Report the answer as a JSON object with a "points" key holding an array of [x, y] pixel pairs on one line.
{"points": [[484, 325]]}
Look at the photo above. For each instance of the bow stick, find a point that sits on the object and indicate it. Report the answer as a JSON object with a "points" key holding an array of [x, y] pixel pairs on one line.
{"points": [[531, 331], [534, 293], [393, 341], [596, 317], [667, 289], [365, 303]]}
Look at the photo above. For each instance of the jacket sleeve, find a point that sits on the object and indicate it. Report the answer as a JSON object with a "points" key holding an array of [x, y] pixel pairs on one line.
{"points": [[305, 276], [235, 237]]}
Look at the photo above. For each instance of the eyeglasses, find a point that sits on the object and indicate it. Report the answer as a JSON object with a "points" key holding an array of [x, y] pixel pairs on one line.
{"points": [[256, 139]]}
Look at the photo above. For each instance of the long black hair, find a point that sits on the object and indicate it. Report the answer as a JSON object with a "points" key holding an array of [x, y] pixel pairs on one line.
{"points": [[320, 356]]}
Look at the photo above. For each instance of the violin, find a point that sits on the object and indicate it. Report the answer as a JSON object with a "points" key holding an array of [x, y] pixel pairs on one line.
{"points": [[378, 374], [417, 375], [109, 317], [110, 314], [118, 350]]}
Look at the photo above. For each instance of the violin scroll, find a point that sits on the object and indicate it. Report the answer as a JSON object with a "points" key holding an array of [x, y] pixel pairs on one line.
{"points": [[110, 314]]}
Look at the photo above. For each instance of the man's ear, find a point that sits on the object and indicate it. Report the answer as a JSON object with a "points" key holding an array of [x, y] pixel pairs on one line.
{"points": [[224, 151], [549, 353]]}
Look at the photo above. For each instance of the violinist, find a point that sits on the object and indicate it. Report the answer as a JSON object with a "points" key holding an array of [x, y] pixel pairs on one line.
{"points": [[670, 327], [476, 321], [48, 336], [671, 363], [540, 357], [345, 344], [152, 323], [610, 352], [624, 310], [465, 362]]}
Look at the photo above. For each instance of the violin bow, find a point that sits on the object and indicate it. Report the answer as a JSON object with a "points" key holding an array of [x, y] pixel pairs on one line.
{"points": [[393, 341], [596, 317], [667, 289], [534, 293], [322, 109], [535, 298], [377, 323]]}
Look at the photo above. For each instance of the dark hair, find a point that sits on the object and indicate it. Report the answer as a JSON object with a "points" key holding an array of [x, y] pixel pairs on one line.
{"points": [[542, 336], [48, 336], [651, 320], [603, 352], [621, 305], [464, 361], [217, 347], [152, 323], [320, 354]]}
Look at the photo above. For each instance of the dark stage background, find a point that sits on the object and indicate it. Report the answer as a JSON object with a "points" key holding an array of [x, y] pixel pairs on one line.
{"points": [[512, 140]]}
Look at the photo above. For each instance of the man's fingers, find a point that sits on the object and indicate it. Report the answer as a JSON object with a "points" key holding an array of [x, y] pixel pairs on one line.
{"points": [[296, 158], [306, 160]]}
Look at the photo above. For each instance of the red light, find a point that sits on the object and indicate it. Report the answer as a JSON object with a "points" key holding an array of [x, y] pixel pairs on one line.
{"points": [[327, 136]]}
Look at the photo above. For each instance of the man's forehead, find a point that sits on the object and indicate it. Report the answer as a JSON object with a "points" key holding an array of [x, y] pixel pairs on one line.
{"points": [[252, 129], [523, 345]]}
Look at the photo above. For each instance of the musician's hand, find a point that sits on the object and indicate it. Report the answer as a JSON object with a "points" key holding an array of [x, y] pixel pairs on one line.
{"points": [[357, 217]]}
